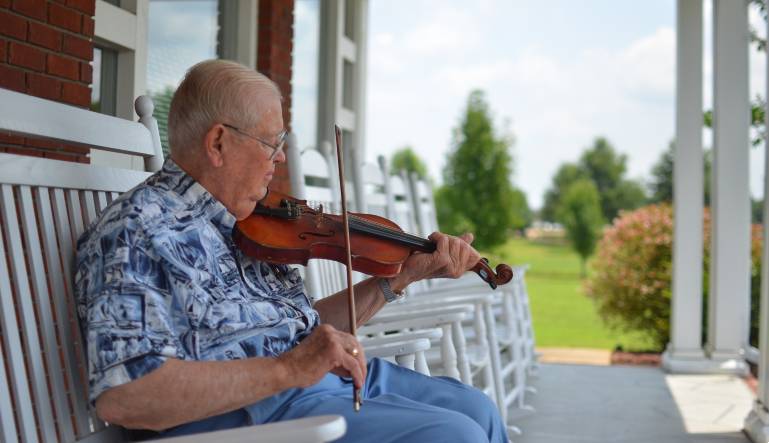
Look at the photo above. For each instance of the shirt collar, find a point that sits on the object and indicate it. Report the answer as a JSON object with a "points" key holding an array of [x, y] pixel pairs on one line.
{"points": [[194, 194]]}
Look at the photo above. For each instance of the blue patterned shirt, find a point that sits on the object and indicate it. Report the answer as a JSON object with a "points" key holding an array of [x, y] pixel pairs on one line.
{"points": [[158, 276]]}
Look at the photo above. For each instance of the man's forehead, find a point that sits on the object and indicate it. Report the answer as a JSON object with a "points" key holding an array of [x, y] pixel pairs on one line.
{"points": [[268, 109], [271, 116]]}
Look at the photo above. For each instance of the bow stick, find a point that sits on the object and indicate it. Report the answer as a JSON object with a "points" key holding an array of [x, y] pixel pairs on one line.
{"points": [[350, 292]]}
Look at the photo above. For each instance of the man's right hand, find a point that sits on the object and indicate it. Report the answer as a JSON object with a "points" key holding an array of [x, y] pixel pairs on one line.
{"points": [[325, 350]]}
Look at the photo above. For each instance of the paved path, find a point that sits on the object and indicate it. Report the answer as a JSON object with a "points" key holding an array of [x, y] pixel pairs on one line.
{"points": [[597, 357], [580, 403]]}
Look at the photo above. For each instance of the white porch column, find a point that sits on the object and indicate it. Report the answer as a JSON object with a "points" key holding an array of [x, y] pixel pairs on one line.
{"points": [[757, 422], [729, 305], [684, 352]]}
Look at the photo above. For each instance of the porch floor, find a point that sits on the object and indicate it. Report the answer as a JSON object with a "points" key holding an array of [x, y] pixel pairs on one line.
{"points": [[581, 403]]}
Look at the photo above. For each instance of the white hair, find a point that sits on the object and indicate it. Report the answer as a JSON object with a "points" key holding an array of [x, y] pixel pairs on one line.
{"points": [[216, 91]]}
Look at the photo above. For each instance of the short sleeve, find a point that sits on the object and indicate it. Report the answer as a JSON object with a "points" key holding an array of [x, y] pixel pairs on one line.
{"points": [[123, 306]]}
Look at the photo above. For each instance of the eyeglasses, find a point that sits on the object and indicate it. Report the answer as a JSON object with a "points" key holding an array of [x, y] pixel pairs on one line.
{"points": [[277, 147]]}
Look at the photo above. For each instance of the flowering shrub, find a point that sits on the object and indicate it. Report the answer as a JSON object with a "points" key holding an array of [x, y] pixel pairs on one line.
{"points": [[631, 282]]}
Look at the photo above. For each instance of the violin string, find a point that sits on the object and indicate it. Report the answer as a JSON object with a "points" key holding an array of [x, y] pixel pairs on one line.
{"points": [[335, 211], [374, 228], [388, 229], [315, 207]]}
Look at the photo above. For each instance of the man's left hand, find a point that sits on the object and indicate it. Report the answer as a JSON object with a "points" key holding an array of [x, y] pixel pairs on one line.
{"points": [[453, 257]]}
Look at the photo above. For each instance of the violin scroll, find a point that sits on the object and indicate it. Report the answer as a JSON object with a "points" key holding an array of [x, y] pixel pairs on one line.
{"points": [[503, 274]]}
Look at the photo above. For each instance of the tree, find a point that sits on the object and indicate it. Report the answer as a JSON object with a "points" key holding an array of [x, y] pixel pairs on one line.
{"points": [[405, 159], [450, 220], [602, 163], [522, 215], [567, 174], [606, 168], [580, 213], [628, 195], [477, 190], [661, 186]]}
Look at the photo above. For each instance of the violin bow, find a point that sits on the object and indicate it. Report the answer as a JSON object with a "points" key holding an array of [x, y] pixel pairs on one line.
{"points": [[350, 292]]}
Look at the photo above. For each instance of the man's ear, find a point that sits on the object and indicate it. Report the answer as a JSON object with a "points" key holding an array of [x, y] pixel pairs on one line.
{"points": [[213, 145]]}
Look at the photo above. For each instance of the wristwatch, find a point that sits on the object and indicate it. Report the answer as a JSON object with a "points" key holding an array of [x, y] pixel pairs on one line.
{"points": [[389, 295]]}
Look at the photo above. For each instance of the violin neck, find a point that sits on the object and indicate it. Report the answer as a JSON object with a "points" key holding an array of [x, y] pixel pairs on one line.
{"points": [[412, 241]]}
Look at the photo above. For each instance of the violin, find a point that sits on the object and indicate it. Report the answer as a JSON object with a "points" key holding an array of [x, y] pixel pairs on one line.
{"points": [[286, 230]]}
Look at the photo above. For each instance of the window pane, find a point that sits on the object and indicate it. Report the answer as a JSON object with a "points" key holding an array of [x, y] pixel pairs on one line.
{"points": [[181, 33], [104, 85], [304, 81]]}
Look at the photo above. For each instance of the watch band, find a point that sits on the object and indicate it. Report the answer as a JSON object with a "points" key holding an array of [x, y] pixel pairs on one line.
{"points": [[389, 295]]}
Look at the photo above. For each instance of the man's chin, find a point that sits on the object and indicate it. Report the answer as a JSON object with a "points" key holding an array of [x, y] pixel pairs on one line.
{"points": [[243, 213], [258, 197]]}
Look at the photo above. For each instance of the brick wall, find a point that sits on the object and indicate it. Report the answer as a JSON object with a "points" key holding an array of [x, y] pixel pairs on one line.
{"points": [[45, 50], [275, 44]]}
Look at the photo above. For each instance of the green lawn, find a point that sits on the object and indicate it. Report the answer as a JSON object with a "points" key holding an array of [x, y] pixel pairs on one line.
{"points": [[563, 315]]}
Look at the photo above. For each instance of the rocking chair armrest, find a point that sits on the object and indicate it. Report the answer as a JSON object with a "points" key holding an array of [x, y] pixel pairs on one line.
{"points": [[425, 300], [421, 311], [416, 320], [446, 291], [320, 429], [430, 334], [397, 348]]}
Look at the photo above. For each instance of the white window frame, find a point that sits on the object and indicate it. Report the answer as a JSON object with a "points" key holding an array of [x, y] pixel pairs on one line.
{"points": [[125, 29]]}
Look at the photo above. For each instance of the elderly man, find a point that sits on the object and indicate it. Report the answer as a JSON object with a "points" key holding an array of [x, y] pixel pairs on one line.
{"points": [[185, 334]]}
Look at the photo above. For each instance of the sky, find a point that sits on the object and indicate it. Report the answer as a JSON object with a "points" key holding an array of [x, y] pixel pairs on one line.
{"points": [[557, 74]]}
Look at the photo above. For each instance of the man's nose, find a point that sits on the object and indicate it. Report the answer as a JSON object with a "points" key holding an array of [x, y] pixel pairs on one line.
{"points": [[280, 157]]}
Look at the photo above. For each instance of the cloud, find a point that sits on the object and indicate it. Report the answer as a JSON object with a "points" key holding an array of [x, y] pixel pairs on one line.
{"points": [[648, 65], [447, 31], [559, 78], [385, 58]]}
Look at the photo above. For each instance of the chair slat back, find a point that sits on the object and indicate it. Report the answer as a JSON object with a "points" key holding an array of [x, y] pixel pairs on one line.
{"points": [[52, 328], [26, 115], [88, 201], [8, 430], [317, 178], [375, 194], [424, 206], [38, 286], [48, 375], [401, 210], [323, 277], [12, 346], [45, 205]]}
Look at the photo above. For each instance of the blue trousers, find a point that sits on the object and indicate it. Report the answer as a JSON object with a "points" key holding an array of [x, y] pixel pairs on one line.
{"points": [[399, 405]]}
